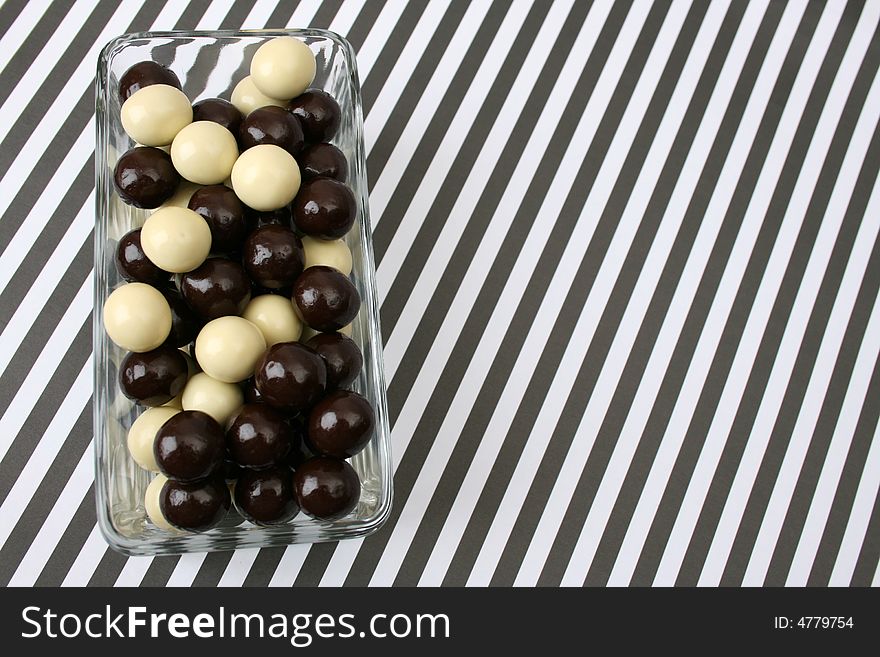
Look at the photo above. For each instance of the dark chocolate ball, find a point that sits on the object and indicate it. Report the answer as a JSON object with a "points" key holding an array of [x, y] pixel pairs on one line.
{"points": [[195, 506], [259, 436], [143, 74], [280, 217], [326, 488], [225, 214], [291, 377], [265, 497], [341, 424], [273, 256], [134, 265], [324, 208], [185, 323], [322, 160], [341, 355], [271, 125], [216, 288], [145, 177], [325, 299], [219, 111], [153, 377], [319, 114], [190, 446]]}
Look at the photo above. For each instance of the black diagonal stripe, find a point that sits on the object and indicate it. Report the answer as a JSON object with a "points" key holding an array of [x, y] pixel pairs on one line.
{"points": [[68, 367], [73, 125], [428, 426], [631, 269], [364, 23], [110, 565], [206, 59], [733, 331], [398, 116], [869, 557], [581, 287], [31, 47], [597, 354], [391, 49], [801, 375], [326, 13], [9, 12], [167, 54], [646, 451], [56, 304], [476, 425], [693, 325], [422, 157], [49, 489], [671, 274], [82, 343], [160, 571], [280, 16], [315, 564], [544, 271], [77, 532], [850, 476], [264, 567]]}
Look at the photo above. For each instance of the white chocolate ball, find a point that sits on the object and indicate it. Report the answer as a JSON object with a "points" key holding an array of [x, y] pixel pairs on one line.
{"points": [[137, 317], [181, 197], [176, 239], [204, 152], [142, 435], [228, 348], [308, 332], [153, 115], [265, 177], [333, 253], [275, 317], [283, 67], [218, 399], [246, 97], [151, 501]]}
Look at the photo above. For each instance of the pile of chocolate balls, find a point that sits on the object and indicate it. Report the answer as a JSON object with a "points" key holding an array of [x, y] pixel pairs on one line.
{"points": [[237, 310]]}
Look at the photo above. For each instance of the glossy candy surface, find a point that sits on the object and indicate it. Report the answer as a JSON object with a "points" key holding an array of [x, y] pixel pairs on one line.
{"points": [[265, 497], [291, 377], [153, 377], [216, 288], [341, 424], [324, 208], [189, 446], [195, 507], [325, 298], [342, 357], [326, 488], [273, 256], [145, 177], [259, 436]]}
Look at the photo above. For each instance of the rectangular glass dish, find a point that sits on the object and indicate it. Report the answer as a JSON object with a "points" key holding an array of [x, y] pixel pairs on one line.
{"points": [[209, 64]]}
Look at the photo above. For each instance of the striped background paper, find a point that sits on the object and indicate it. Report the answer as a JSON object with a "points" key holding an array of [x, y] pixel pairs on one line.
{"points": [[628, 261]]}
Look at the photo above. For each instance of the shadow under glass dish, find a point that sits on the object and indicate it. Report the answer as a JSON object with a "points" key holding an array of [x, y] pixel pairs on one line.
{"points": [[209, 64]]}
